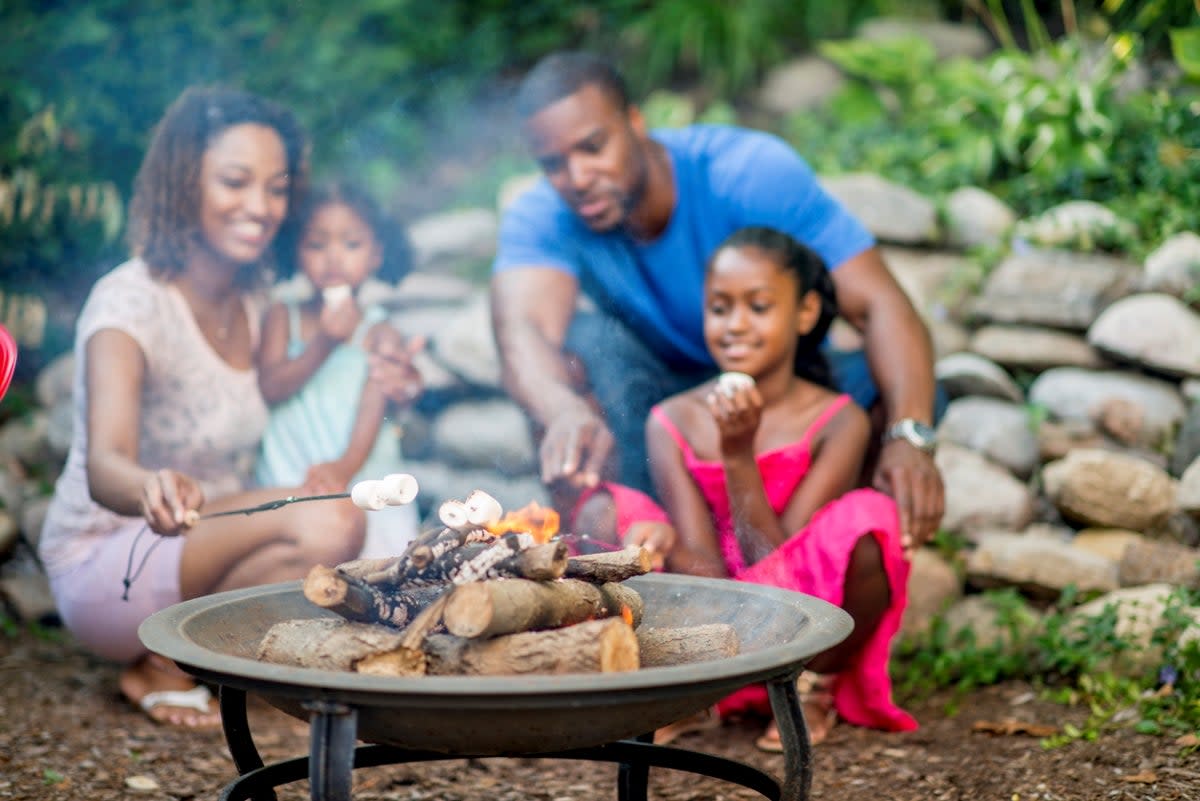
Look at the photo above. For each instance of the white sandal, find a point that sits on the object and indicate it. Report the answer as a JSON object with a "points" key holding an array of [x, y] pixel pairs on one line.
{"points": [[196, 698]]}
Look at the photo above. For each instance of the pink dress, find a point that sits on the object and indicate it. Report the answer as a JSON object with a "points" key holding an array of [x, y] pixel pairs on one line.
{"points": [[813, 561]]}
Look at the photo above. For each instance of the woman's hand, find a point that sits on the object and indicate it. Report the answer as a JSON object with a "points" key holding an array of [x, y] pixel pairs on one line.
{"points": [[737, 416], [170, 500]]}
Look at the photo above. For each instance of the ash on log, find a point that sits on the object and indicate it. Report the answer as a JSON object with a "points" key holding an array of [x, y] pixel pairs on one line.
{"points": [[597, 646], [663, 647], [355, 599], [505, 606]]}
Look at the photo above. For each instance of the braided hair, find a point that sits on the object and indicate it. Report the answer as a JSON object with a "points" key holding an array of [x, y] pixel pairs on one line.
{"points": [[811, 275]]}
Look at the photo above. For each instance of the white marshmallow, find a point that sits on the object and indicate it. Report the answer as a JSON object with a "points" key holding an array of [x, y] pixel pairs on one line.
{"points": [[369, 495], [483, 508], [728, 384], [453, 514], [399, 488], [336, 295]]}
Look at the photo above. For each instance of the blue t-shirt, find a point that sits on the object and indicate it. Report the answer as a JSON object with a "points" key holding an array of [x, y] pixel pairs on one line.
{"points": [[725, 178]]}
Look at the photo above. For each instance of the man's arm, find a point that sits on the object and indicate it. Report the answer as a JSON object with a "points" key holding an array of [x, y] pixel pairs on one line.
{"points": [[531, 309], [900, 355]]}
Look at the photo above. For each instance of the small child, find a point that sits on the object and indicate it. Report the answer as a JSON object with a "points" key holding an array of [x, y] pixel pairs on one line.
{"points": [[328, 425], [757, 470]]}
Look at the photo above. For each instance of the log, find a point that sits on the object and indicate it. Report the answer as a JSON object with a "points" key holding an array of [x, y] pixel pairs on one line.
{"points": [[505, 606], [355, 599], [597, 646], [663, 647], [336, 644], [611, 566]]}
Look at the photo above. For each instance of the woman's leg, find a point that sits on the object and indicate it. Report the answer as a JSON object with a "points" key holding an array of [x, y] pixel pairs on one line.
{"points": [[226, 553], [866, 597]]}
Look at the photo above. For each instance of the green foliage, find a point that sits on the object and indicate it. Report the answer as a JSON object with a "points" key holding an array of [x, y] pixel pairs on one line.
{"points": [[1035, 129], [1072, 658]]}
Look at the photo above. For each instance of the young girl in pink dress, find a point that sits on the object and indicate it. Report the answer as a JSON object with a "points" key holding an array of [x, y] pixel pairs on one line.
{"points": [[758, 477]]}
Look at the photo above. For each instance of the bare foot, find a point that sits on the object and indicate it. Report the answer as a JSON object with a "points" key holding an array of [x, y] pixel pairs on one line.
{"points": [[168, 695]]}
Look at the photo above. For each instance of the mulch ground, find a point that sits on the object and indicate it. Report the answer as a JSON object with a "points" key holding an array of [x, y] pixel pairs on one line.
{"points": [[66, 734]]}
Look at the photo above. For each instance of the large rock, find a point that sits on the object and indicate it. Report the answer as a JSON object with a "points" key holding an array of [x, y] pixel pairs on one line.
{"points": [[1153, 330], [1053, 288], [933, 584], [1078, 224], [802, 84], [1029, 347], [1113, 490], [1174, 267], [891, 212], [1041, 564], [1141, 624], [976, 217], [1077, 395], [1149, 562], [490, 433], [949, 39], [465, 234], [988, 622], [966, 374], [464, 344], [980, 494], [1000, 430]]}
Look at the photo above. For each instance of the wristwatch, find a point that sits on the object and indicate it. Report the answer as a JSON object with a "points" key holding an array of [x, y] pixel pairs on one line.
{"points": [[915, 433]]}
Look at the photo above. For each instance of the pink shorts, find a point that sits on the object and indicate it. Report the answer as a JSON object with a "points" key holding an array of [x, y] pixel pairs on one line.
{"points": [[89, 595]]}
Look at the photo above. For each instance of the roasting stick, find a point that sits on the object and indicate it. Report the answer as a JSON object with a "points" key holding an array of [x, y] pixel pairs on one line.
{"points": [[395, 489]]}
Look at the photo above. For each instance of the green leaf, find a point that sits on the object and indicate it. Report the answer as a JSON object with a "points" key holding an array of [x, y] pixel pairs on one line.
{"points": [[51, 776], [1185, 46]]}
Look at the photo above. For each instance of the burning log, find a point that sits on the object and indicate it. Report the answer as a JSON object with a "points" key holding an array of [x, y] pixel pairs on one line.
{"points": [[595, 646], [614, 566], [456, 557], [663, 647], [355, 599], [505, 606], [333, 644]]}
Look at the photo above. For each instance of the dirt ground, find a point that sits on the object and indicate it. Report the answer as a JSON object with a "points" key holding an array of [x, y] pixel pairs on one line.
{"points": [[66, 734]]}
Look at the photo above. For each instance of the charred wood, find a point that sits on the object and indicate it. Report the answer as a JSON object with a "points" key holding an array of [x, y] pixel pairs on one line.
{"points": [[505, 606], [612, 566], [595, 646]]}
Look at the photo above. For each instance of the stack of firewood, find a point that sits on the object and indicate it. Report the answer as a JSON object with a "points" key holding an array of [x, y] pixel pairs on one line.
{"points": [[486, 597]]}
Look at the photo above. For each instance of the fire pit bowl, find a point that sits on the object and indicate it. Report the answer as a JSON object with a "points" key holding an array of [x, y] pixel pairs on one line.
{"points": [[216, 637]]}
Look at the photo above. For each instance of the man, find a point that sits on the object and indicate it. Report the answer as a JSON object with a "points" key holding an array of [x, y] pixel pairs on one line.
{"points": [[629, 218]]}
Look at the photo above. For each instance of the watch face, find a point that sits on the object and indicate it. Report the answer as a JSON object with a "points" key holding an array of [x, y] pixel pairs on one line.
{"points": [[924, 433], [915, 433]]}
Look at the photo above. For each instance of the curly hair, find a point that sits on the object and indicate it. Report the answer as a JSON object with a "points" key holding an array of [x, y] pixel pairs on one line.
{"points": [[164, 214], [811, 274], [564, 73], [388, 232]]}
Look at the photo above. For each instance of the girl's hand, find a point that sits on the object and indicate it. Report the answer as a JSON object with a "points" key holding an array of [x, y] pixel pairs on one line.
{"points": [[390, 357], [737, 417], [340, 320], [169, 501], [325, 478], [656, 537]]}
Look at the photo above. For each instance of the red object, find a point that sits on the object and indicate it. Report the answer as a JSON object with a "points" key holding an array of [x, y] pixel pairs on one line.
{"points": [[8, 359]]}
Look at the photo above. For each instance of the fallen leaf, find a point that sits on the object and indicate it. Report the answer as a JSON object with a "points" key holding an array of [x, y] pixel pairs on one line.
{"points": [[1187, 741], [1145, 777], [1011, 727], [143, 784]]}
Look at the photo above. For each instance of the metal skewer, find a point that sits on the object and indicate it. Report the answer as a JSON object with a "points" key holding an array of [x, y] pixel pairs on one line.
{"points": [[192, 517]]}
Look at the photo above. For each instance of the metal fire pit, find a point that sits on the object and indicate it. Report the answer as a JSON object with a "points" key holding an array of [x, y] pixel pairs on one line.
{"points": [[577, 716]]}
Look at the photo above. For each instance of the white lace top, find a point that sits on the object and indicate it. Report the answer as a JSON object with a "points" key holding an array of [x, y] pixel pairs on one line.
{"points": [[199, 415]]}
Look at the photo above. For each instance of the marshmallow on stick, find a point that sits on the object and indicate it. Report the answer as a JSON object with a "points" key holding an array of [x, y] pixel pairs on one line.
{"points": [[483, 508], [454, 514], [728, 384], [400, 488]]}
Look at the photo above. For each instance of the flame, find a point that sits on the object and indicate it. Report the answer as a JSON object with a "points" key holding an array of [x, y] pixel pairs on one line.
{"points": [[627, 614], [539, 521]]}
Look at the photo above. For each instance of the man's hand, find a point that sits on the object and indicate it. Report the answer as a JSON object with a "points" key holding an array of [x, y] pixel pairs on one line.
{"points": [[575, 447], [911, 477], [656, 537], [167, 499]]}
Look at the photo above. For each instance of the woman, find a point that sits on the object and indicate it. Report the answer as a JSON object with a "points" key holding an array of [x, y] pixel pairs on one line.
{"points": [[168, 413]]}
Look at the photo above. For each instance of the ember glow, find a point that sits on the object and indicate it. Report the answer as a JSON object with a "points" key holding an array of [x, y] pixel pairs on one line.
{"points": [[539, 521], [626, 614]]}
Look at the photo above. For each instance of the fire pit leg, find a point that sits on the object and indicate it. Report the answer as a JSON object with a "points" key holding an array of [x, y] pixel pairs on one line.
{"points": [[633, 780], [237, 735], [334, 730], [793, 732]]}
